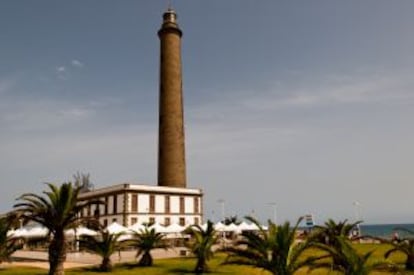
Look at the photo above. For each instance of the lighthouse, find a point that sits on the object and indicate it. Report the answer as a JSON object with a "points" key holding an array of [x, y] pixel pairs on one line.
{"points": [[171, 138]]}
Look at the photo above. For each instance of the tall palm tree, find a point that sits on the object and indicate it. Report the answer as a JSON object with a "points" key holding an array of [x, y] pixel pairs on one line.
{"points": [[404, 245], [350, 262], [8, 244], [274, 249], [201, 245], [104, 245], [83, 181], [57, 210], [144, 241]]}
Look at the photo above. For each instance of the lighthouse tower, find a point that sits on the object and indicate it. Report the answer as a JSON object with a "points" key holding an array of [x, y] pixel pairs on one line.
{"points": [[171, 141]]}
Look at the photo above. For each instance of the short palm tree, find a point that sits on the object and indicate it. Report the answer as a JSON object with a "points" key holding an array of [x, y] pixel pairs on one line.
{"points": [[201, 245], [331, 232], [57, 210], [144, 241], [349, 261], [274, 249], [404, 245], [8, 244], [104, 244]]}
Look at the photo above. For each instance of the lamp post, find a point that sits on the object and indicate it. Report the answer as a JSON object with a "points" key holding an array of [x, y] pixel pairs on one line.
{"points": [[223, 234], [221, 202], [273, 206], [357, 209]]}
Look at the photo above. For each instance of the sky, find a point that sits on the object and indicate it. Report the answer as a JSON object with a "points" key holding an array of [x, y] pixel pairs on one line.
{"points": [[291, 107]]}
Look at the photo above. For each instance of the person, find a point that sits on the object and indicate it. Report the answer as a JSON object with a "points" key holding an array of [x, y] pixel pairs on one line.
{"points": [[395, 237]]}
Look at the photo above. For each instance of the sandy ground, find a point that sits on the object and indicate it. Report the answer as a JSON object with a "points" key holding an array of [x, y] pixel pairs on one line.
{"points": [[80, 259]]}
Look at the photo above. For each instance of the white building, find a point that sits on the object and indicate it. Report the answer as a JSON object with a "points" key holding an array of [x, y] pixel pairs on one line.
{"points": [[128, 204]]}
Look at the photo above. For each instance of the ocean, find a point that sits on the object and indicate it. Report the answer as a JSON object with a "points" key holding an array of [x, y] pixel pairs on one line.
{"points": [[386, 230]]}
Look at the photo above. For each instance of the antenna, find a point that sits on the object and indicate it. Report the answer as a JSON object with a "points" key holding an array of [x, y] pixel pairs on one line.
{"points": [[169, 5]]}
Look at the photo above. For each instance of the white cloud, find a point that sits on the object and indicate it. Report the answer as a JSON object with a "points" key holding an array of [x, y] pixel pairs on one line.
{"points": [[333, 89], [61, 72], [77, 63], [41, 115]]}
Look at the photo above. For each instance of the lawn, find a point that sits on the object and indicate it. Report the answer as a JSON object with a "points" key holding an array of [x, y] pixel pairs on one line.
{"points": [[185, 266]]}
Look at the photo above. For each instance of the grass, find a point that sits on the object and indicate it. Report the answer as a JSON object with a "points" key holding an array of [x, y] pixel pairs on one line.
{"points": [[186, 265]]}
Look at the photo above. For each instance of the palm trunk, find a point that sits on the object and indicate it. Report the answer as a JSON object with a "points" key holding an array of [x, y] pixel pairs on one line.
{"points": [[409, 264], [201, 266], [106, 264], [57, 254], [146, 259]]}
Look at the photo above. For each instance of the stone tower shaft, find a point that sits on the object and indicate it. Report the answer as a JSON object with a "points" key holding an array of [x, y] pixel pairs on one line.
{"points": [[171, 141]]}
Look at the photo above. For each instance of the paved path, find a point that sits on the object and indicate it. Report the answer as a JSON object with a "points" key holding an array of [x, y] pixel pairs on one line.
{"points": [[80, 259]]}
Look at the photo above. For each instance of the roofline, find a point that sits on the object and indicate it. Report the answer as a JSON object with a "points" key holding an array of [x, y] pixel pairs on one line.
{"points": [[139, 187]]}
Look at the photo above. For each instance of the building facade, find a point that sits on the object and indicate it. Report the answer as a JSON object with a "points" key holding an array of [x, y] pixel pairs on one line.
{"points": [[128, 204]]}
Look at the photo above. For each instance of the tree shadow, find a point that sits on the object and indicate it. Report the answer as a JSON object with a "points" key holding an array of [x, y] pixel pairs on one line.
{"points": [[179, 270]]}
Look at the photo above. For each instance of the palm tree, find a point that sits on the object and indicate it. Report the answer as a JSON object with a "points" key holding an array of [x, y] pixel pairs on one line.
{"points": [[349, 261], [331, 232], [8, 245], [104, 245], [83, 181], [201, 245], [231, 219], [404, 245], [57, 210], [144, 241], [274, 249]]}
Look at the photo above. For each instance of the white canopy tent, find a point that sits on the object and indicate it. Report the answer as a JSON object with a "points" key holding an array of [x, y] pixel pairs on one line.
{"points": [[30, 232], [81, 231], [174, 228], [158, 228], [137, 227], [231, 228], [116, 228], [219, 226]]}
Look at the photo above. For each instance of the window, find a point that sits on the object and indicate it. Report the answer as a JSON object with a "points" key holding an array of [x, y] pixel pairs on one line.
{"points": [[134, 203], [134, 221], [167, 204], [88, 211], [105, 222], [115, 205], [167, 221], [182, 221], [96, 212], [152, 204], [196, 221], [106, 205], [196, 206], [114, 220], [182, 205], [151, 220]]}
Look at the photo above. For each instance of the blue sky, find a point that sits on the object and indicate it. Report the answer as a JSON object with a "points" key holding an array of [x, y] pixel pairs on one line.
{"points": [[305, 104]]}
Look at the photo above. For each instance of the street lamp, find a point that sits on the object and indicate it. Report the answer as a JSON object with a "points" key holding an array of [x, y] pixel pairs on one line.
{"points": [[221, 202], [223, 236], [357, 210], [273, 205], [357, 206]]}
